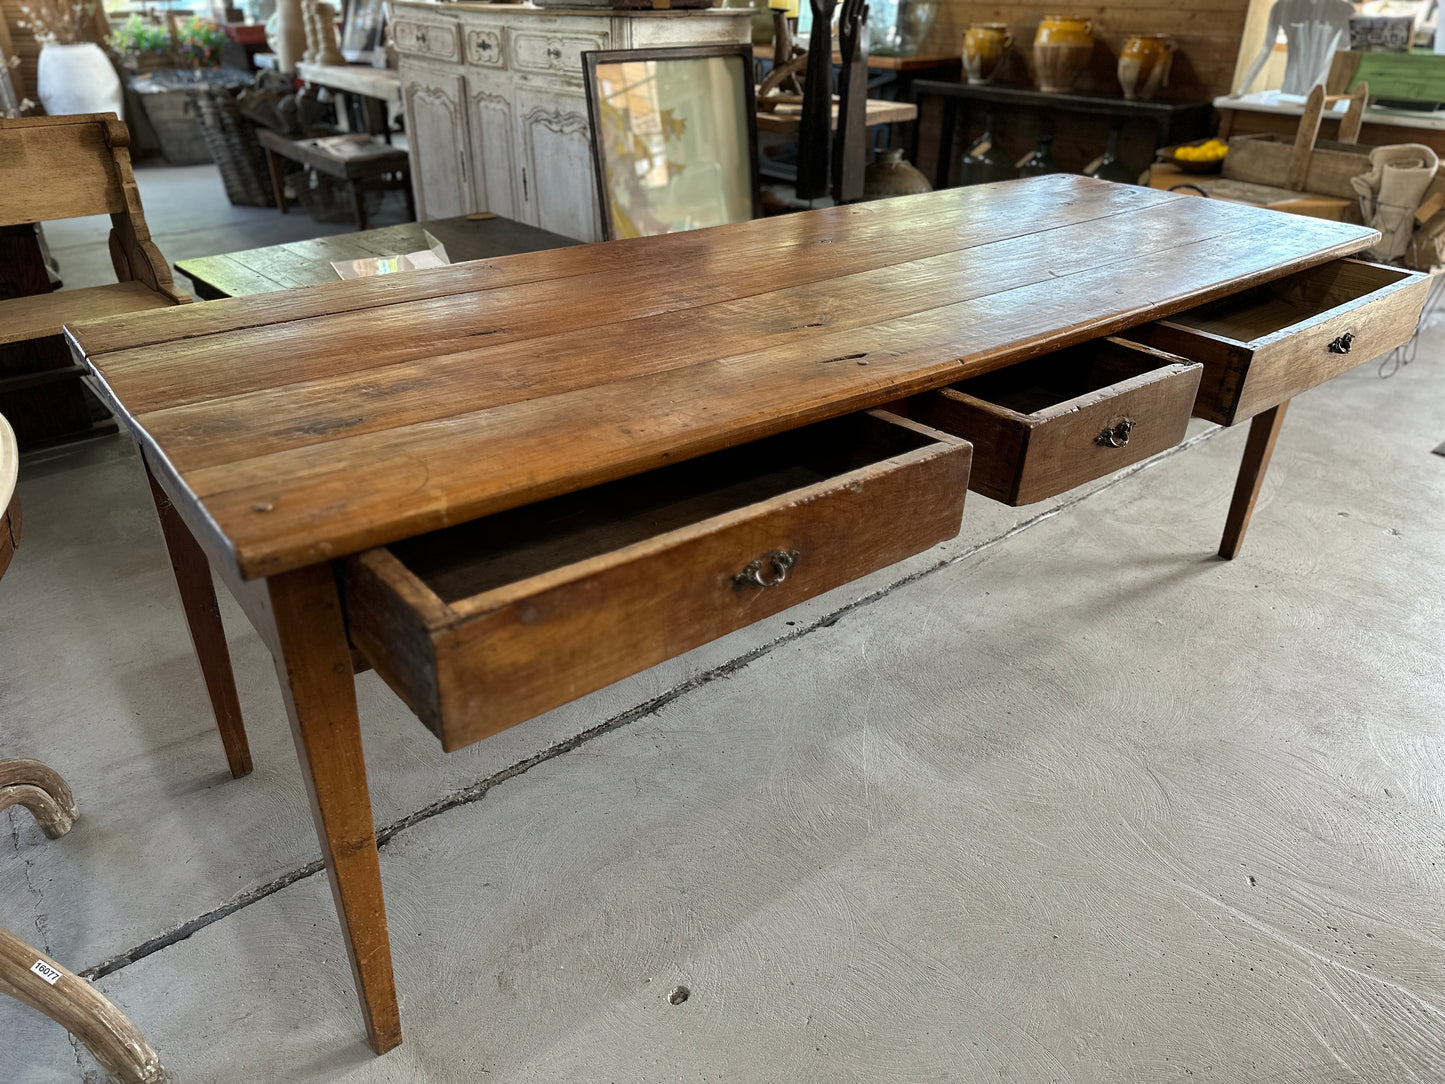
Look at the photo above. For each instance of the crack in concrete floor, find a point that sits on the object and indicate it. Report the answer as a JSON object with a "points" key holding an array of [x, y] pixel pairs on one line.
{"points": [[475, 792]]}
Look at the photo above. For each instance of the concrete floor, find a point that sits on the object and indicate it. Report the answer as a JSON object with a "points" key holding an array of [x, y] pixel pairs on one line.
{"points": [[1064, 799]]}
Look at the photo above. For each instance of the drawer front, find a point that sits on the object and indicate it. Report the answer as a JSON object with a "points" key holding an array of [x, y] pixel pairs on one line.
{"points": [[436, 41], [712, 27], [1245, 374], [555, 53], [1020, 458], [484, 47], [473, 665]]}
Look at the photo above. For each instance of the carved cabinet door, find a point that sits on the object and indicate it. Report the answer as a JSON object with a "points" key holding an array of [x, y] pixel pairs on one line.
{"points": [[436, 125], [496, 180], [558, 190]]}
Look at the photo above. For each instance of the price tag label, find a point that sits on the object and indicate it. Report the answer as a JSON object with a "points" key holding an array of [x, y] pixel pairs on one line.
{"points": [[45, 971]]}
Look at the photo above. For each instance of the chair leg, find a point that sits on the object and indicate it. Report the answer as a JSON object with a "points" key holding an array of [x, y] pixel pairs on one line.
{"points": [[41, 790], [1263, 432], [78, 1007]]}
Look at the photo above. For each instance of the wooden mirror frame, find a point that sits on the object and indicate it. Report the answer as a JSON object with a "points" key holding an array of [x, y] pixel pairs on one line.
{"points": [[743, 54]]}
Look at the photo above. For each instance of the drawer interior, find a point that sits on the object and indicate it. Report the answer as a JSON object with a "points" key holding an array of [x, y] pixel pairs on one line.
{"points": [[1284, 303], [1037, 385], [502, 549]]}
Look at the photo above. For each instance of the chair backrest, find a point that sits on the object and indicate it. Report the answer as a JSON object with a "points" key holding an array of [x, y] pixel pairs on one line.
{"points": [[62, 167], [79, 164], [674, 136]]}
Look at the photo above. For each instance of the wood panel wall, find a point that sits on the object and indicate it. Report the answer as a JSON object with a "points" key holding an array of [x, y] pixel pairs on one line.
{"points": [[1208, 33]]}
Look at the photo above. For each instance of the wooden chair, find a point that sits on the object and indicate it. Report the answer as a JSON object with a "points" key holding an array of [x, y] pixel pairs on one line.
{"points": [[25, 973], [65, 167]]}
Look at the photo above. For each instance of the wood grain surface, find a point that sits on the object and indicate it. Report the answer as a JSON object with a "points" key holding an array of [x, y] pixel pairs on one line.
{"points": [[307, 425]]}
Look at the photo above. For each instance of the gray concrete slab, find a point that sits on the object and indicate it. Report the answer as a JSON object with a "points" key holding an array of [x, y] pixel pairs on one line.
{"points": [[1066, 798]]}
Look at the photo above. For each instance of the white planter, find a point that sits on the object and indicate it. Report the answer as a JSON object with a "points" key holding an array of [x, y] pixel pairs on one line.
{"points": [[77, 79]]}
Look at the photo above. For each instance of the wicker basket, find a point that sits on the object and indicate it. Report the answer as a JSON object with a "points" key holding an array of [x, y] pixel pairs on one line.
{"points": [[233, 144]]}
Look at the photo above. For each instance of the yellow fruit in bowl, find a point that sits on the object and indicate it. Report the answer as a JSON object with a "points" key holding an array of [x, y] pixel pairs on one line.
{"points": [[1210, 151]]}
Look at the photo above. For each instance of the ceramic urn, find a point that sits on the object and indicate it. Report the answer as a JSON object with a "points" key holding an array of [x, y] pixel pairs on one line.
{"points": [[1063, 46], [984, 47], [1144, 64]]}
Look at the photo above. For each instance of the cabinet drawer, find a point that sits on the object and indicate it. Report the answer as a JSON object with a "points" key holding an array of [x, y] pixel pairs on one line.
{"points": [[1265, 345], [482, 626], [1060, 420], [484, 47], [553, 52], [437, 41]]}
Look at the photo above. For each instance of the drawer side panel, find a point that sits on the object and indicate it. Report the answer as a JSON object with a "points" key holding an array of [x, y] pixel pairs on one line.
{"points": [[388, 620]]}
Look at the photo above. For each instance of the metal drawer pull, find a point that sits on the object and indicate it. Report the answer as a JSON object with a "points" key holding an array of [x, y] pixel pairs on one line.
{"points": [[779, 560], [1343, 343], [554, 52], [1116, 436]]}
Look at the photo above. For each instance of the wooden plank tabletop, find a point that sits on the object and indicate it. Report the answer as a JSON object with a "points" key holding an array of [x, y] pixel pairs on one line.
{"points": [[304, 425], [308, 263]]}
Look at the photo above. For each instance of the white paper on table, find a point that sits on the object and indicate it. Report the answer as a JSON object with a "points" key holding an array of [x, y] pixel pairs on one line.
{"points": [[435, 255]]}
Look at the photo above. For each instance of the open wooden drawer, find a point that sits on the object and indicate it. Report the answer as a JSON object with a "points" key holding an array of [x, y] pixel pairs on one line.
{"points": [[485, 625], [1263, 346], [1045, 425]]}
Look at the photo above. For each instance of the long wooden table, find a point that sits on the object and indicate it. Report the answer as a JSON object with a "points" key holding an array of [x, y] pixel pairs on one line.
{"points": [[286, 431]]}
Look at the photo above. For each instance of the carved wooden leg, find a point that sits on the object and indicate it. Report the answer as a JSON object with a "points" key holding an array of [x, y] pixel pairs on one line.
{"points": [[1263, 432], [278, 179], [40, 982], [40, 790], [358, 199], [203, 615], [314, 665]]}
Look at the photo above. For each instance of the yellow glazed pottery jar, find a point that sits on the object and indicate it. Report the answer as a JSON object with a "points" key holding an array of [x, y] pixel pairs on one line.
{"points": [[1144, 64], [1063, 45], [984, 47]]}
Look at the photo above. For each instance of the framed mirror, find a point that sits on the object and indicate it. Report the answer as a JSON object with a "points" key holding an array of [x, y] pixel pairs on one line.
{"points": [[674, 137]]}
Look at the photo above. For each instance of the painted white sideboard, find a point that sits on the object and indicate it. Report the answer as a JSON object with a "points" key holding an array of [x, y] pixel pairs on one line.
{"points": [[496, 115]]}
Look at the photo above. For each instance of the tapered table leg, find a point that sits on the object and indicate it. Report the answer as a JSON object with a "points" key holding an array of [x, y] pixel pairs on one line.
{"points": [[203, 616], [314, 666], [1263, 432]]}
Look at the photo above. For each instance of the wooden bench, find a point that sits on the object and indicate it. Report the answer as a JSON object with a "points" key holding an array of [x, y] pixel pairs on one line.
{"points": [[383, 167]]}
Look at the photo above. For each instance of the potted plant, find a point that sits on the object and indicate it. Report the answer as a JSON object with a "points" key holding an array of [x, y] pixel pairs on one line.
{"points": [[198, 43], [73, 75], [142, 46]]}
